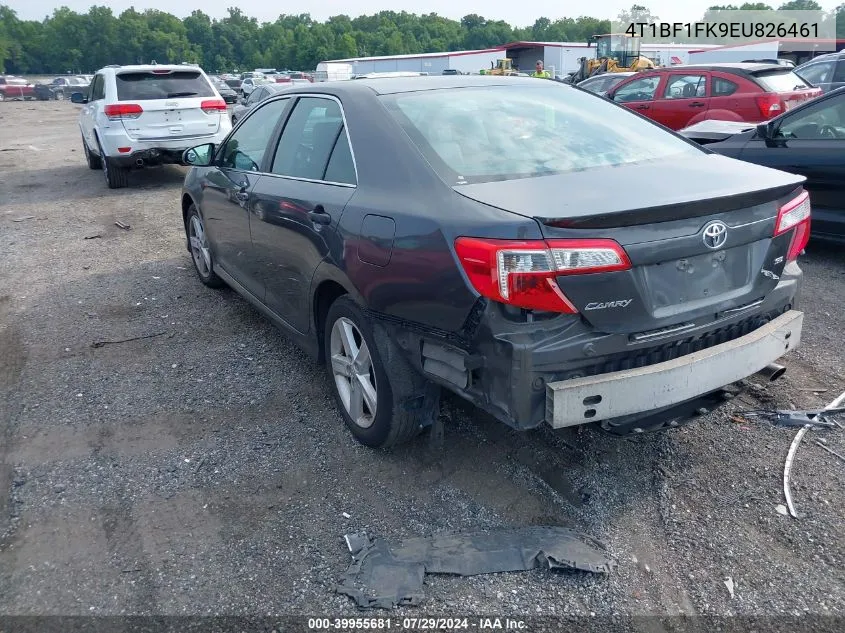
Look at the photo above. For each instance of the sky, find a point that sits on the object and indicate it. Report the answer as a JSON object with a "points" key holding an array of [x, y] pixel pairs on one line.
{"points": [[269, 10]]}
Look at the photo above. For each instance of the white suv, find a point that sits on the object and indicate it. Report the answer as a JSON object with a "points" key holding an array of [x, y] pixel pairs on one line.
{"points": [[135, 116]]}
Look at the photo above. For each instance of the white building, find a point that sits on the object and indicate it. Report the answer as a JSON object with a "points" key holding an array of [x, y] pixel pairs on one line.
{"points": [[562, 57], [431, 63]]}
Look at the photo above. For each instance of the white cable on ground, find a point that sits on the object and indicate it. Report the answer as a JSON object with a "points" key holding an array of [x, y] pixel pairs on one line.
{"points": [[794, 448]]}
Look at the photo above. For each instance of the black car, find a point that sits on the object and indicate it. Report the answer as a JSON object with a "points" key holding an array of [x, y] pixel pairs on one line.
{"points": [[825, 71], [459, 233], [808, 140], [255, 97], [228, 94], [600, 84], [61, 88]]}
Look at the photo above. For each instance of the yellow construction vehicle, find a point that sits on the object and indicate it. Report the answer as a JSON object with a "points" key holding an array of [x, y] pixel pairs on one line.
{"points": [[502, 67], [615, 53]]}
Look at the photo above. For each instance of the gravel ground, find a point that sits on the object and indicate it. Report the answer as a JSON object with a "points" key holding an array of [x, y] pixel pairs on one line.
{"points": [[205, 470]]}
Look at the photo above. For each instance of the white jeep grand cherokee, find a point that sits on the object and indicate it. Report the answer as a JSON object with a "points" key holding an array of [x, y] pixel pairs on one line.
{"points": [[135, 116]]}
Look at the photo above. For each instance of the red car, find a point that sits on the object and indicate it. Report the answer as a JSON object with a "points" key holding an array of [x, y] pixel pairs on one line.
{"points": [[681, 96], [15, 88]]}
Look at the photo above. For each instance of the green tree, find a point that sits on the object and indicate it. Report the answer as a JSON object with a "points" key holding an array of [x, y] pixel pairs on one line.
{"points": [[800, 5]]}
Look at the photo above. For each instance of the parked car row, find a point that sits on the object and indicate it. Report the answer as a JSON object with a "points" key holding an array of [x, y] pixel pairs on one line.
{"points": [[15, 89], [61, 88]]}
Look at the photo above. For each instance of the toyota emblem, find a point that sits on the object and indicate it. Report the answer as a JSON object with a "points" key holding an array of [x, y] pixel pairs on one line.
{"points": [[715, 234]]}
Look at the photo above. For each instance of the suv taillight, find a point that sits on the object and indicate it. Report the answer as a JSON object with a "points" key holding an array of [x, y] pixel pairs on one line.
{"points": [[117, 111], [770, 105], [213, 106], [523, 273], [795, 214]]}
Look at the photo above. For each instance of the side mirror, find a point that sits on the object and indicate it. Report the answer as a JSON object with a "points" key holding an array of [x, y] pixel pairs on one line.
{"points": [[78, 97], [199, 156], [765, 131]]}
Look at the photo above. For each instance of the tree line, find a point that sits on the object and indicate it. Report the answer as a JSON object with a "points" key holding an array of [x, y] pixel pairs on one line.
{"points": [[68, 41]]}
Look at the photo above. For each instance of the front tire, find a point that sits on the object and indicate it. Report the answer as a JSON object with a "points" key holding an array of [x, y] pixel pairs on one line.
{"points": [[93, 161], [200, 249], [373, 396]]}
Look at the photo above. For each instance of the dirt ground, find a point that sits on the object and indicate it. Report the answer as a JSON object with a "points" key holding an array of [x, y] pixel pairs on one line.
{"points": [[205, 470]]}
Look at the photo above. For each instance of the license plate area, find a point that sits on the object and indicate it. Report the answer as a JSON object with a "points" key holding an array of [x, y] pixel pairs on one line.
{"points": [[704, 276], [172, 116]]}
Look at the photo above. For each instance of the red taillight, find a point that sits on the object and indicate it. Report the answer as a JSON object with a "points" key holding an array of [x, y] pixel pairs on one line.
{"points": [[213, 106], [117, 111], [522, 272], [769, 104], [795, 214]]}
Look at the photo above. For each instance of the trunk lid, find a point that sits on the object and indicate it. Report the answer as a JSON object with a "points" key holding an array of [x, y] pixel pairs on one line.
{"points": [[678, 273], [172, 104]]}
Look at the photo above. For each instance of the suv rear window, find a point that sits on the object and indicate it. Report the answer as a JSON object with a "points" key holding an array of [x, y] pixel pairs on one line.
{"points": [[485, 134], [147, 85], [781, 81]]}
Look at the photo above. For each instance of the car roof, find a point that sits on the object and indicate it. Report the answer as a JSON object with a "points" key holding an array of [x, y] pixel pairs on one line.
{"points": [[396, 85], [748, 67], [150, 67], [824, 58]]}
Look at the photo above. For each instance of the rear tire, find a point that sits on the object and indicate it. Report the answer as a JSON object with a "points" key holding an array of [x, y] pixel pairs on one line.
{"points": [[380, 397], [116, 177]]}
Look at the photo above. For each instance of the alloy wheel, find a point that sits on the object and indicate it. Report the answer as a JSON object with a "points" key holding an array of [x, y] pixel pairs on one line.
{"points": [[352, 367], [199, 246]]}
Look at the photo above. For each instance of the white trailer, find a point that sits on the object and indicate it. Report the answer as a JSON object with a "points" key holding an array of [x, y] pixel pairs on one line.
{"points": [[333, 71]]}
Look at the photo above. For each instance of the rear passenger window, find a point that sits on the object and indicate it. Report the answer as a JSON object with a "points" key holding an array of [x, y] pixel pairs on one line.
{"points": [[309, 137], [685, 87], [98, 89], [723, 87], [341, 168]]}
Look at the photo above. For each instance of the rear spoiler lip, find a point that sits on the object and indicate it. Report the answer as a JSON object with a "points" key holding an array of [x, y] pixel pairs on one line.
{"points": [[675, 211]]}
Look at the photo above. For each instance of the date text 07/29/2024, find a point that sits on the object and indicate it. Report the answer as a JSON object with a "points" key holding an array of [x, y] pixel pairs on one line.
{"points": [[416, 624]]}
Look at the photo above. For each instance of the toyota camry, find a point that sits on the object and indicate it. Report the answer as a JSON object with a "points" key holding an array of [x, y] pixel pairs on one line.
{"points": [[542, 252]]}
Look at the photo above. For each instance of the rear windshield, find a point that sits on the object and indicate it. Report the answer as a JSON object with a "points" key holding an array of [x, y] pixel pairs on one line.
{"points": [[781, 81], [484, 134], [139, 86]]}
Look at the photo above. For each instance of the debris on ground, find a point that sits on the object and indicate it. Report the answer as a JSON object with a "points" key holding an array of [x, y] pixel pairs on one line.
{"points": [[813, 416], [97, 344], [92, 237], [729, 583], [384, 575], [122, 225], [781, 509], [831, 451], [26, 217]]}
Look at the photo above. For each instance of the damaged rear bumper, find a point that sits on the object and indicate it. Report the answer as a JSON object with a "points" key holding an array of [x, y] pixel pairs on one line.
{"points": [[623, 393], [505, 364]]}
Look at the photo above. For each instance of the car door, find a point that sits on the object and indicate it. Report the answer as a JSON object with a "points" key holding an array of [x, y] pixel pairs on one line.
{"points": [[92, 110], [683, 97], [638, 93], [296, 208], [811, 142], [226, 192]]}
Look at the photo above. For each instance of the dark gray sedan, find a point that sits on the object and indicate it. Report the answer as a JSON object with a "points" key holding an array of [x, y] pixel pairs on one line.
{"points": [[542, 252]]}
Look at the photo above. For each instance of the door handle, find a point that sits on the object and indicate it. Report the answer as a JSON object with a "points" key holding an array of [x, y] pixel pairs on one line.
{"points": [[696, 104], [641, 107], [319, 216]]}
